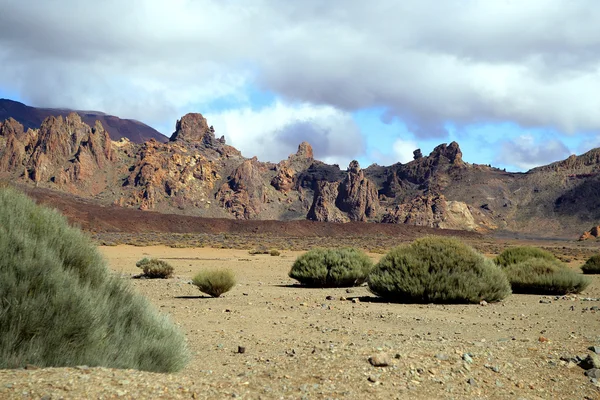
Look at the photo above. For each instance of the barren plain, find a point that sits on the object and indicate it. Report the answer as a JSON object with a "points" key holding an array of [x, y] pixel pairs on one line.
{"points": [[269, 338]]}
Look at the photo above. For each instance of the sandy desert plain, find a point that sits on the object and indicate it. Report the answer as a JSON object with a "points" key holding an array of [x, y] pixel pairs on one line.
{"points": [[301, 343]]}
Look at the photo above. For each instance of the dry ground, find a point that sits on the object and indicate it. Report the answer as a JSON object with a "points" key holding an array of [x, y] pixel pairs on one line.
{"points": [[315, 343]]}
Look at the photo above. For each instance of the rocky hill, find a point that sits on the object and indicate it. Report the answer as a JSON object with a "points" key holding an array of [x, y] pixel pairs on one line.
{"points": [[32, 117], [197, 173]]}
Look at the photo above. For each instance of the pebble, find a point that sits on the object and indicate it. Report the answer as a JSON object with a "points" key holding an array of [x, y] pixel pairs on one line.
{"points": [[545, 301], [590, 362], [329, 298], [356, 300], [380, 360], [442, 357], [467, 358], [471, 381], [595, 349], [593, 373]]}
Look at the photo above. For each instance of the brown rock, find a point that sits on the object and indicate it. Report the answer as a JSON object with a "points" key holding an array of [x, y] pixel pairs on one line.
{"points": [[380, 360], [357, 196]]}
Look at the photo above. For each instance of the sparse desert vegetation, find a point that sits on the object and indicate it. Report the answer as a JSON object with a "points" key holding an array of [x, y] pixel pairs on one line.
{"points": [[154, 268], [340, 267], [592, 265], [536, 271], [215, 282], [438, 270], [59, 306]]}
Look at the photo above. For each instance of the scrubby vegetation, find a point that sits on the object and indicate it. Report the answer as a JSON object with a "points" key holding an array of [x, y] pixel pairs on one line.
{"points": [[542, 276], [438, 270], [215, 282], [592, 265], [60, 306], [332, 267], [536, 271], [515, 255], [154, 268], [275, 253]]}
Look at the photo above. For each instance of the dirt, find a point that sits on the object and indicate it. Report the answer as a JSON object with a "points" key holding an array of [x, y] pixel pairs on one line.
{"points": [[316, 343]]}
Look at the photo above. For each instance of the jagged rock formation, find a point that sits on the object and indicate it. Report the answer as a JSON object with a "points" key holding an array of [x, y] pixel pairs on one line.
{"points": [[593, 233], [353, 199], [197, 173]]}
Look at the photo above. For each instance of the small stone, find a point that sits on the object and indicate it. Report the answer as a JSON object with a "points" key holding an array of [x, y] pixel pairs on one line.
{"points": [[241, 350], [593, 373], [543, 339], [356, 300], [545, 301], [342, 298], [349, 290], [471, 381], [372, 379], [442, 357], [595, 349], [483, 303], [380, 360], [467, 358], [329, 298], [590, 362], [82, 367]]}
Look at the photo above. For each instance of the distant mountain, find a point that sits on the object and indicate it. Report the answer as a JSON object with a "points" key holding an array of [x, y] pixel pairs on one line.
{"points": [[32, 117], [197, 173]]}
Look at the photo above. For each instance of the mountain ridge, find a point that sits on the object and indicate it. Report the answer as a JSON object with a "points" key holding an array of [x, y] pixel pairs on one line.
{"points": [[195, 173]]}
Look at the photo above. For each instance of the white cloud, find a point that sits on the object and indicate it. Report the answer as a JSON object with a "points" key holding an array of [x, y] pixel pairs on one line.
{"points": [[403, 150], [274, 132], [535, 63], [526, 152]]}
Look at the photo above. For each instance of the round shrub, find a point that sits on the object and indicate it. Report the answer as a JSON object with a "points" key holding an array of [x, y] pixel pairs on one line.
{"points": [[542, 276], [332, 267], [438, 270], [515, 255], [592, 265], [155, 269], [60, 306], [215, 282]]}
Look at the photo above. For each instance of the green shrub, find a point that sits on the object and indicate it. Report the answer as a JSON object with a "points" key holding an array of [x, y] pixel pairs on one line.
{"points": [[515, 255], [60, 306], [215, 282], [275, 253], [542, 276], [438, 270], [592, 265], [154, 268], [331, 267]]}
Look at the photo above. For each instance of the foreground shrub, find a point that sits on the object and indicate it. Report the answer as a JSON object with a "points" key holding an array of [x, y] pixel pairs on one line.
{"points": [[154, 268], [60, 306], [592, 265], [542, 276], [215, 282], [332, 267], [438, 270], [515, 255]]}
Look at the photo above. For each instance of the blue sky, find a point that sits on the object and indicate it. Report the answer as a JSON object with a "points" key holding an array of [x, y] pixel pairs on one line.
{"points": [[514, 83]]}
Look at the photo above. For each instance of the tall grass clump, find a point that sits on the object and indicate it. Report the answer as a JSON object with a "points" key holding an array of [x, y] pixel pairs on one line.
{"points": [[536, 271], [214, 282], [155, 269], [541, 276], [332, 267], [515, 255], [60, 306], [592, 265], [438, 270]]}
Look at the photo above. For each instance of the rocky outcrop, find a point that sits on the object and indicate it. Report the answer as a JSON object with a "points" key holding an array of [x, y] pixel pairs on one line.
{"points": [[353, 199], [357, 196], [244, 193], [286, 178], [323, 207], [432, 211], [593, 233], [192, 129]]}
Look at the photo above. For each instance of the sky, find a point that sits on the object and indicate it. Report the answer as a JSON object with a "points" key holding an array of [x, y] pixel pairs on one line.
{"points": [[515, 83]]}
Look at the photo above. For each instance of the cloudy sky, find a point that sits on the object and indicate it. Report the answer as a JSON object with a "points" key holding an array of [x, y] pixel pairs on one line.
{"points": [[516, 83]]}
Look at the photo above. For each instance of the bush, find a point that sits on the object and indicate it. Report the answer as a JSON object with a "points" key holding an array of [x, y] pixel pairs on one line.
{"points": [[332, 267], [60, 306], [275, 253], [515, 255], [542, 276], [592, 265], [154, 268], [438, 270], [215, 282]]}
